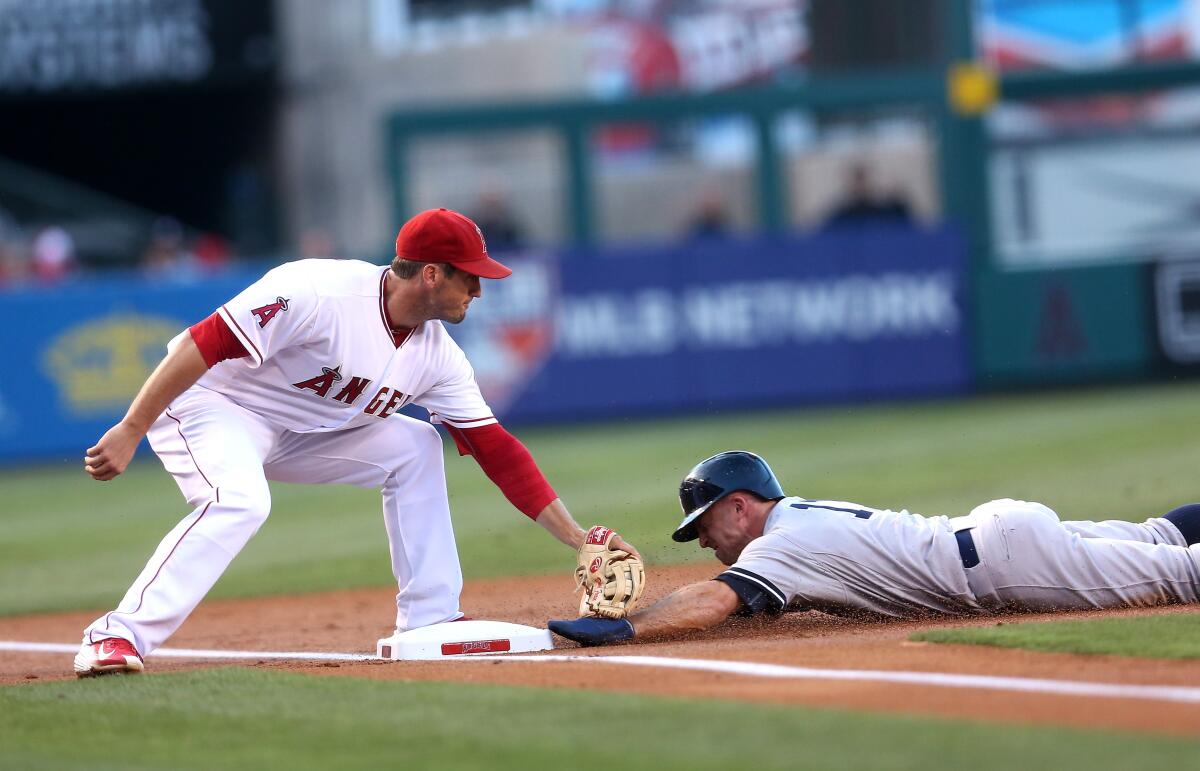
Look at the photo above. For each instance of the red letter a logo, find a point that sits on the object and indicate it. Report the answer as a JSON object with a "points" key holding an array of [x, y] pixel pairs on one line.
{"points": [[267, 312], [321, 384]]}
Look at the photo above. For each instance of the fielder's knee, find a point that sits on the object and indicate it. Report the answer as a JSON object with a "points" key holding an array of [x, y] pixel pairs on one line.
{"points": [[424, 445], [428, 437], [249, 500]]}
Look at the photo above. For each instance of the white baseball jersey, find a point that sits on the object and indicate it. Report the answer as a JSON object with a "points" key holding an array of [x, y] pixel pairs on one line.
{"points": [[322, 356], [314, 402], [834, 555], [843, 557]]}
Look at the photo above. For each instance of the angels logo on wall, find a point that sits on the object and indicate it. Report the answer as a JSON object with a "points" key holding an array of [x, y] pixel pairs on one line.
{"points": [[100, 363]]}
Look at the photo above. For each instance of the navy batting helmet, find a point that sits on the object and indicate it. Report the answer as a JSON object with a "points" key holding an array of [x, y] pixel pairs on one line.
{"points": [[714, 478]]}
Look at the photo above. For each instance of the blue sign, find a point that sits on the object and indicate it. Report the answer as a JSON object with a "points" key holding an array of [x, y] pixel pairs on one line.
{"points": [[724, 324], [85, 349]]}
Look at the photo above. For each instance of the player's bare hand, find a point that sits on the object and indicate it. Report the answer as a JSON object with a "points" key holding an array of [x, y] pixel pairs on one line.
{"points": [[620, 543], [112, 453]]}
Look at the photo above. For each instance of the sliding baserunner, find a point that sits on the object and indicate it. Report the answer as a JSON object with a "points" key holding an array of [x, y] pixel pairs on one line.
{"points": [[787, 553]]}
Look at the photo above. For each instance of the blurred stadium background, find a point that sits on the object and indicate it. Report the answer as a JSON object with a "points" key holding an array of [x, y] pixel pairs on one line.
{"points": [[842, 233], [713, 205]]}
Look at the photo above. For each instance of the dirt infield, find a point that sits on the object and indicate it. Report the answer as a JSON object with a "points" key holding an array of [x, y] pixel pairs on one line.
{"points": [[351, 621]]}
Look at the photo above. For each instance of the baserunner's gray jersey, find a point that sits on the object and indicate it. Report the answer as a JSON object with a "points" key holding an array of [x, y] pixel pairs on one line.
{"points": [[842, 557], [835, 555]]}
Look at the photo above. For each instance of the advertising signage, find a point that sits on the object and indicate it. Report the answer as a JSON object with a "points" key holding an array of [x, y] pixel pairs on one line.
{"points": [[64, 47], [724, 325], [701, 328]]}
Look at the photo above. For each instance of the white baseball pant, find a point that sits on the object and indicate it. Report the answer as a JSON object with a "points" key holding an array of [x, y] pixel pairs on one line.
{"points": [[221, 455], [1029, 560]]}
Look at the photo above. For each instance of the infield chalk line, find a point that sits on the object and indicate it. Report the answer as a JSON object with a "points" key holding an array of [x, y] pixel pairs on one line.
{"points": [[1182, 694], [189, 653]]}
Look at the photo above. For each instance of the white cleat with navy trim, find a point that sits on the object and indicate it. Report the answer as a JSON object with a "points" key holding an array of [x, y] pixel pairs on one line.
{"points": [[109, 655]]}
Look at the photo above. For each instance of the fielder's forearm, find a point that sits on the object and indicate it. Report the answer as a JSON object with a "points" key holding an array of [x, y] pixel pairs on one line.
{"points": [[559, 523], [177, 372], [692, 608]]}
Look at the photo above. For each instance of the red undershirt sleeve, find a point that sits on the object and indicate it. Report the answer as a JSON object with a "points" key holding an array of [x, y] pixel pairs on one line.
{"points": [[215, 340], [508, 464]]}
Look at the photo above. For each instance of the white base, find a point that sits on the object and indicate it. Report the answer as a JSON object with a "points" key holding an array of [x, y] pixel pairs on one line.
{"points": [[455, 639]]}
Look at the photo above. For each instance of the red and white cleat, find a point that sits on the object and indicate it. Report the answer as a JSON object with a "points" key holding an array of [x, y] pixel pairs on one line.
{"points": [[111, 654]]}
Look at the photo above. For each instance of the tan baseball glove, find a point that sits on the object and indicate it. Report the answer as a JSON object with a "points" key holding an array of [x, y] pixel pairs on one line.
{"points": [[612, 579]]}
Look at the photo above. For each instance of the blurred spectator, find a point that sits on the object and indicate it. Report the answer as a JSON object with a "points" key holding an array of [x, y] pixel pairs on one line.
{"points": [[710, 219], [863, 204], [211, 251], [316, 244], [53, 253], [13, 266], [165, 254], [247, 216], [499, 225]]}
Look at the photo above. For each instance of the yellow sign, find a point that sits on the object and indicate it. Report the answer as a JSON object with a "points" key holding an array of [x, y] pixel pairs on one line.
{"points": [[971, 88], [99, 365]]}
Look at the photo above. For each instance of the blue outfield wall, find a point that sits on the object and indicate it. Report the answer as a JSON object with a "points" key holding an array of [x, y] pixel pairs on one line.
{"points": [[727, 324], [688, 327], [85, 348]]}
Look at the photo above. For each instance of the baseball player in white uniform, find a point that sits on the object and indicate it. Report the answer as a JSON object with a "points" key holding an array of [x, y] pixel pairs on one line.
{"points": [[299, 379], [787, 553]]}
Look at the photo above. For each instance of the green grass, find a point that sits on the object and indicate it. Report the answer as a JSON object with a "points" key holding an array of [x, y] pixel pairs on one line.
{"points": [[1171, 636], [242, 718], [68, 542]]}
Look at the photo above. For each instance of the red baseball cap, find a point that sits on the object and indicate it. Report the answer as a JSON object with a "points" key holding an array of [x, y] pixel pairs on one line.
{"points": [[441, 235]]}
